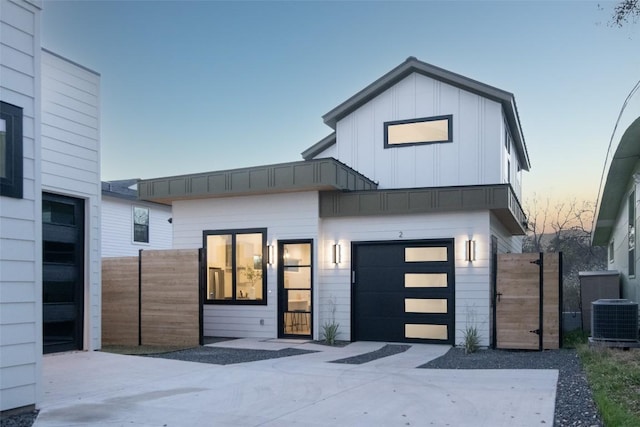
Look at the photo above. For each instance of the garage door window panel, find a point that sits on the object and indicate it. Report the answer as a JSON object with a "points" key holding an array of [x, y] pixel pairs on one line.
{"points": [[425, 305], [427, 332], [425, 254], [425, 280]]}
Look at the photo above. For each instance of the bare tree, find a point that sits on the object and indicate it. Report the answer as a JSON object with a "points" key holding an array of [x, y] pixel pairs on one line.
{"points": [[537, 214], [566, 228], [625, 11]]}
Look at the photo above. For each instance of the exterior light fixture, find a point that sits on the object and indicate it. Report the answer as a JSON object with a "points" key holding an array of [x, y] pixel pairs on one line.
{"points": [[470, 250], [337, 253], [270, 254]]}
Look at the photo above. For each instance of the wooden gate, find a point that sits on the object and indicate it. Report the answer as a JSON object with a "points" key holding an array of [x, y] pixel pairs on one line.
{"points": [[527, 301]]}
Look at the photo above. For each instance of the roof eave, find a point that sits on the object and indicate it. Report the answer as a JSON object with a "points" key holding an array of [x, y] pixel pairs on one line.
{"points": [[622, 166], [319, 146]]}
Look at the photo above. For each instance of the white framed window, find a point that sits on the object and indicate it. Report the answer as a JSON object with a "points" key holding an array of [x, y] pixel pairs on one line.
{"points": [[140, 224]]}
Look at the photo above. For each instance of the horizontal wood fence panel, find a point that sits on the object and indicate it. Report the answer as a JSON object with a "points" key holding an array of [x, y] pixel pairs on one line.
{"points": [[520, 313], [120, 301], [518, 302], [170, 297]]}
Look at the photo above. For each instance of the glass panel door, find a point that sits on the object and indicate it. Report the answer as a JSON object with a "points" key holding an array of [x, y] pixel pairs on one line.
{"points": [[295, 290], [62, 273]]}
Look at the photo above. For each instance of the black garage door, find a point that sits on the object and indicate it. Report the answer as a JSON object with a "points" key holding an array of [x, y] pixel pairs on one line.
{"points": [[404, 291]]}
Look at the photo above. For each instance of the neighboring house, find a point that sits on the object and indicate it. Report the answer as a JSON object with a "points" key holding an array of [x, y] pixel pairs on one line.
{"points": [[618, 212], [49, 205], [389, 227], [129, 224]]}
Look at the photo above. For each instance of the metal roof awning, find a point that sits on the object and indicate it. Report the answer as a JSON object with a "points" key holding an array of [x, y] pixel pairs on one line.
{"points": [[320, 174]]}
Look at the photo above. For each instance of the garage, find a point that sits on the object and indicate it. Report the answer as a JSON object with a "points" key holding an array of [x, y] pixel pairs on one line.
{"points": [[403, 291]]}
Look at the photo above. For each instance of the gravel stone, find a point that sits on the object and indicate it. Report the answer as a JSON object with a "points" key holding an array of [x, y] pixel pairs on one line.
{"points": [[387, 350], [574, 400], [227, 356], [19, 420]]}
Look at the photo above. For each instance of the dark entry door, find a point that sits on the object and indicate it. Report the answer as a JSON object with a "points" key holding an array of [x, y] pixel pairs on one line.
{"points": [[404, 291], [62, 272], [295, 288]]}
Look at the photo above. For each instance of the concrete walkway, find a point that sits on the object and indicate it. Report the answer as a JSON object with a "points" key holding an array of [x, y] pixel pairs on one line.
{"points": [[103, 389]]}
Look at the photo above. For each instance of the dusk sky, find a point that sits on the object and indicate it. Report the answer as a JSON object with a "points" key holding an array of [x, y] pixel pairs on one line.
{"points": [[192, 86]]}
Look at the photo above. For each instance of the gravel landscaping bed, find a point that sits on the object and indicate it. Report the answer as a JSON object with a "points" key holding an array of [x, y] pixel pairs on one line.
{"points": [[23, 420], [228, 356], [574, 401], [387, 350]]}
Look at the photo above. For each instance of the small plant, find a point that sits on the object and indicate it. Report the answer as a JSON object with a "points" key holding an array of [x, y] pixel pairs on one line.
{"points": [[330, 328], [471, 336], [471, 339]]}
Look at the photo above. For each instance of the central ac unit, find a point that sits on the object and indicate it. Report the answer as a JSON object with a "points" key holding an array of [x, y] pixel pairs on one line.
{"points": [[614, 319]]}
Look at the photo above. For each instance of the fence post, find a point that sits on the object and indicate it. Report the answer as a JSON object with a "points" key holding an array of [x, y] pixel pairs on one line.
{"points": [[140, 297]]}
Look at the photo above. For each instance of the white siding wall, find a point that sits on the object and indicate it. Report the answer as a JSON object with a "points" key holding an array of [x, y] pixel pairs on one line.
{"points": [[471, 281], [472, 158], [620, 237], [506, 242], [286, 216], [117, 227], [20, 226], [71, 162]]}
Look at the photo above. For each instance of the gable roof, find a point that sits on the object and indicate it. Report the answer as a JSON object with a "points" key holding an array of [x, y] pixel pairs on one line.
{"points": [[413, 65], [622, 165]]}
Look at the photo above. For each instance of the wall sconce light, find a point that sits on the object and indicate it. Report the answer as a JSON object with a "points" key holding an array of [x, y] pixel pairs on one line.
{"points": [[270, 254], [337, 253], [470, 250]]}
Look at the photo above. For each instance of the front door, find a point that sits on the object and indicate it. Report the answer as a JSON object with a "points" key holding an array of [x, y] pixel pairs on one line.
{"points": [[62, 273], [295, 288]]}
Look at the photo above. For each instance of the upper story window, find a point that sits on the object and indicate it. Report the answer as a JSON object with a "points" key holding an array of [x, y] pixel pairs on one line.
{"points": [[236, 267], [10, 150], [426, 130], [140, 225]]}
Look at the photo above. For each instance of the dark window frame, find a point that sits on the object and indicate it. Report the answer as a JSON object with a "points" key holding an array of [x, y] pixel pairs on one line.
{"points": [[147, 225], [447, 117], [233, 233], [11, 185]]}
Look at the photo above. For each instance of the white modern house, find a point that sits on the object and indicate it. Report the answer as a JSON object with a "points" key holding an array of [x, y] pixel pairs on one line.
{"points": [[130, 225], [390, 225], [49, 205], [617, 213]]}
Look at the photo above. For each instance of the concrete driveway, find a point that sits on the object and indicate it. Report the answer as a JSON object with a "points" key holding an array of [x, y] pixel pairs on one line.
{"points": [[103, 389]]}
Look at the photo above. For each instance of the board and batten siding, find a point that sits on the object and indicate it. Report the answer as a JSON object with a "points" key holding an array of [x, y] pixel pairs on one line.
{"points": [[285, 216], [117, 227], [20, 226], [620, 238], [471, 281], [472, 158], [71, 163], [507, 243]]}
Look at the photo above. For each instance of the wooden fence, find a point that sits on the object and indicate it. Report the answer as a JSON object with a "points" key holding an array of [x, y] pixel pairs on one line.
{"points": [[528, 301], [152, 299]]}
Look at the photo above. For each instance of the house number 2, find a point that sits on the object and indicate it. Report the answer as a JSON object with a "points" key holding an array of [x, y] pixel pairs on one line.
{"points": [[400, 234]]}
